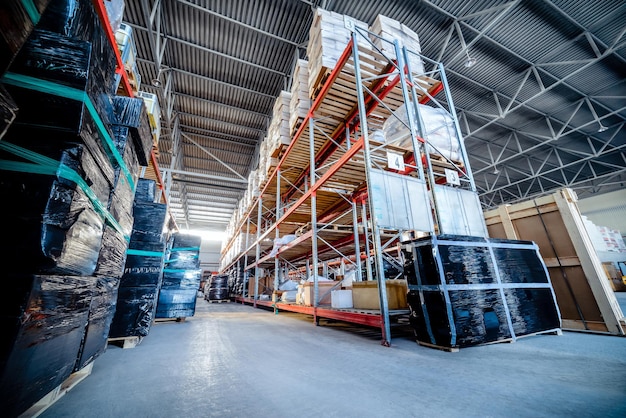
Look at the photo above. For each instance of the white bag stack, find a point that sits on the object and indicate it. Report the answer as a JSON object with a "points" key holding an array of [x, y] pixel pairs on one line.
{"points": [[299, 104], [390, 29]]}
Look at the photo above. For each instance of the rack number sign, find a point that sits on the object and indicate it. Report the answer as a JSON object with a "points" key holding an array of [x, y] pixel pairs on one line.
{"points": [[395, 161], [452, 177]]}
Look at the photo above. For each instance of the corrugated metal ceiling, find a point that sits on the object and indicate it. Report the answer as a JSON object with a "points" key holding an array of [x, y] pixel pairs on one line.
{"points": [[548, 75]]}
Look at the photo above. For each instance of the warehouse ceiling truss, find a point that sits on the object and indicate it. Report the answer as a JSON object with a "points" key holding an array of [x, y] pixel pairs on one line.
{"points": [[538, 86]]}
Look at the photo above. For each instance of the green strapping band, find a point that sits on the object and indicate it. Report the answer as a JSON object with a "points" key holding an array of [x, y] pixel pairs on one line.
{"points": [[60, 90], [144, 253], [31, 10], [178, 270], [185, 249], [44, 165]]}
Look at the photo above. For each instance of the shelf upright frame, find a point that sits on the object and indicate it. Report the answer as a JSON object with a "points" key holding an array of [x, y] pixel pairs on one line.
{"points": [[312, 179], [376, 242], [257, 270]]}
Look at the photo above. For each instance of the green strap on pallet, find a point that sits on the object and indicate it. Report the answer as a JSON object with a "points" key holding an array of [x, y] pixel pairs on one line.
{"points": [[32, 11], [144, 253], [181, 271], [40, 164], [60, 90], [185, 249]]}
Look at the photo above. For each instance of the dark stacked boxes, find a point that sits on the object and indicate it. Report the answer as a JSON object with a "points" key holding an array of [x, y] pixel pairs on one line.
{"points": [[42, 320], [8, 110], [61, 171], [466, 291], [17, 19], [218, 287], [132, 119], [143, 270], [181, 278]]}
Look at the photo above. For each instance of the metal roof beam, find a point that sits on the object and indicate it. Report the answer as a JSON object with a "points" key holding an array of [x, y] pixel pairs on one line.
{"points": [[206, 176], [237, 125], [245, 25], [211, 51], [226, 141], [212, 80], [235, 108]]}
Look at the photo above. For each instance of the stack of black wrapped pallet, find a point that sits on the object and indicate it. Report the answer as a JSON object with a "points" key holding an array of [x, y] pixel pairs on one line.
{"points": [[466, 291], [218, 288], [69, 183], [181, 278], [143, 271]]}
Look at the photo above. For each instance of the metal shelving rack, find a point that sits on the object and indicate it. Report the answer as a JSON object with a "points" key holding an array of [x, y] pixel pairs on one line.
{"points": [[332, 184]]}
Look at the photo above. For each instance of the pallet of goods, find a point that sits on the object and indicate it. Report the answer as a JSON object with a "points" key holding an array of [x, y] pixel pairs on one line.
{"points": [[390, 29], [299, 104], [328, 37], [278, 133]]}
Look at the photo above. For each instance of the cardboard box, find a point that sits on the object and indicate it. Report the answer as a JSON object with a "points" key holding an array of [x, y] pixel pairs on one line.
{"points": [[365, 294], [341, 299], [323, 289]]}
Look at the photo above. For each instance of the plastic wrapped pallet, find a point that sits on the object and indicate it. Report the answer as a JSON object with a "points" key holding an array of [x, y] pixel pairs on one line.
{"points": [[131, 113], [53, 72], [390, 30], [144, 264], [218, 287], [328, 38], [466, 291], [149, 222], [299, 104], [78, 19], [437, 129], [134, 312], [18, 21], [59, 215], [146, 191], [8, 110], [178, 294], [43, 319], [101, 311], [185, 252]]}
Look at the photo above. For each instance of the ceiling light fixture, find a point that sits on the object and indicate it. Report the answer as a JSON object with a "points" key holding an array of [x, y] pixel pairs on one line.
{"points": [[470, 61], [156, 82], [495, 170], [602, 128]]}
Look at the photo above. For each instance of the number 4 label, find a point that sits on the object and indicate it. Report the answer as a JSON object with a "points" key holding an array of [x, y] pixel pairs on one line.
{"points": [[395, 161]]}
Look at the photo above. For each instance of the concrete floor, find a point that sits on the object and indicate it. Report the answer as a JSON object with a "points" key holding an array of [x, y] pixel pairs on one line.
{"points": [[232, 360]]}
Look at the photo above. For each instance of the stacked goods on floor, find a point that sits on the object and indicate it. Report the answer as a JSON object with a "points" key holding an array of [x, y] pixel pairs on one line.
{"points": [[299, 103], [67, 181], [466, 291], [181, 278], [218, 288], [554, 222], [143, 271]]}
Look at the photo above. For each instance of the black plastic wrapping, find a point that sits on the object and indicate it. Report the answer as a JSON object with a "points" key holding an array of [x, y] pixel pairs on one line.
{"points": [[146, 191], [135, 311], [42, 322], [8, 110], [476, 302], [218, 287], [101, 311], [149, 222], [142, 269], [68, 62], [131, 113], [176, 303], [112, 256], [185, 252], [60, 230], [16, 24], [79, 19]]}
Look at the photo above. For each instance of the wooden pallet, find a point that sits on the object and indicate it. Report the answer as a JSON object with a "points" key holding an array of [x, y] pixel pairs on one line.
{"points": [[439, 347], [58, 392], [175, 319], [126, 342], [218, 300]]}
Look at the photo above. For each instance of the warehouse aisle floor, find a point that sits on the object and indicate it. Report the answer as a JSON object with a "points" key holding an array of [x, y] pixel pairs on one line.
{"points": [[232, 360]]}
